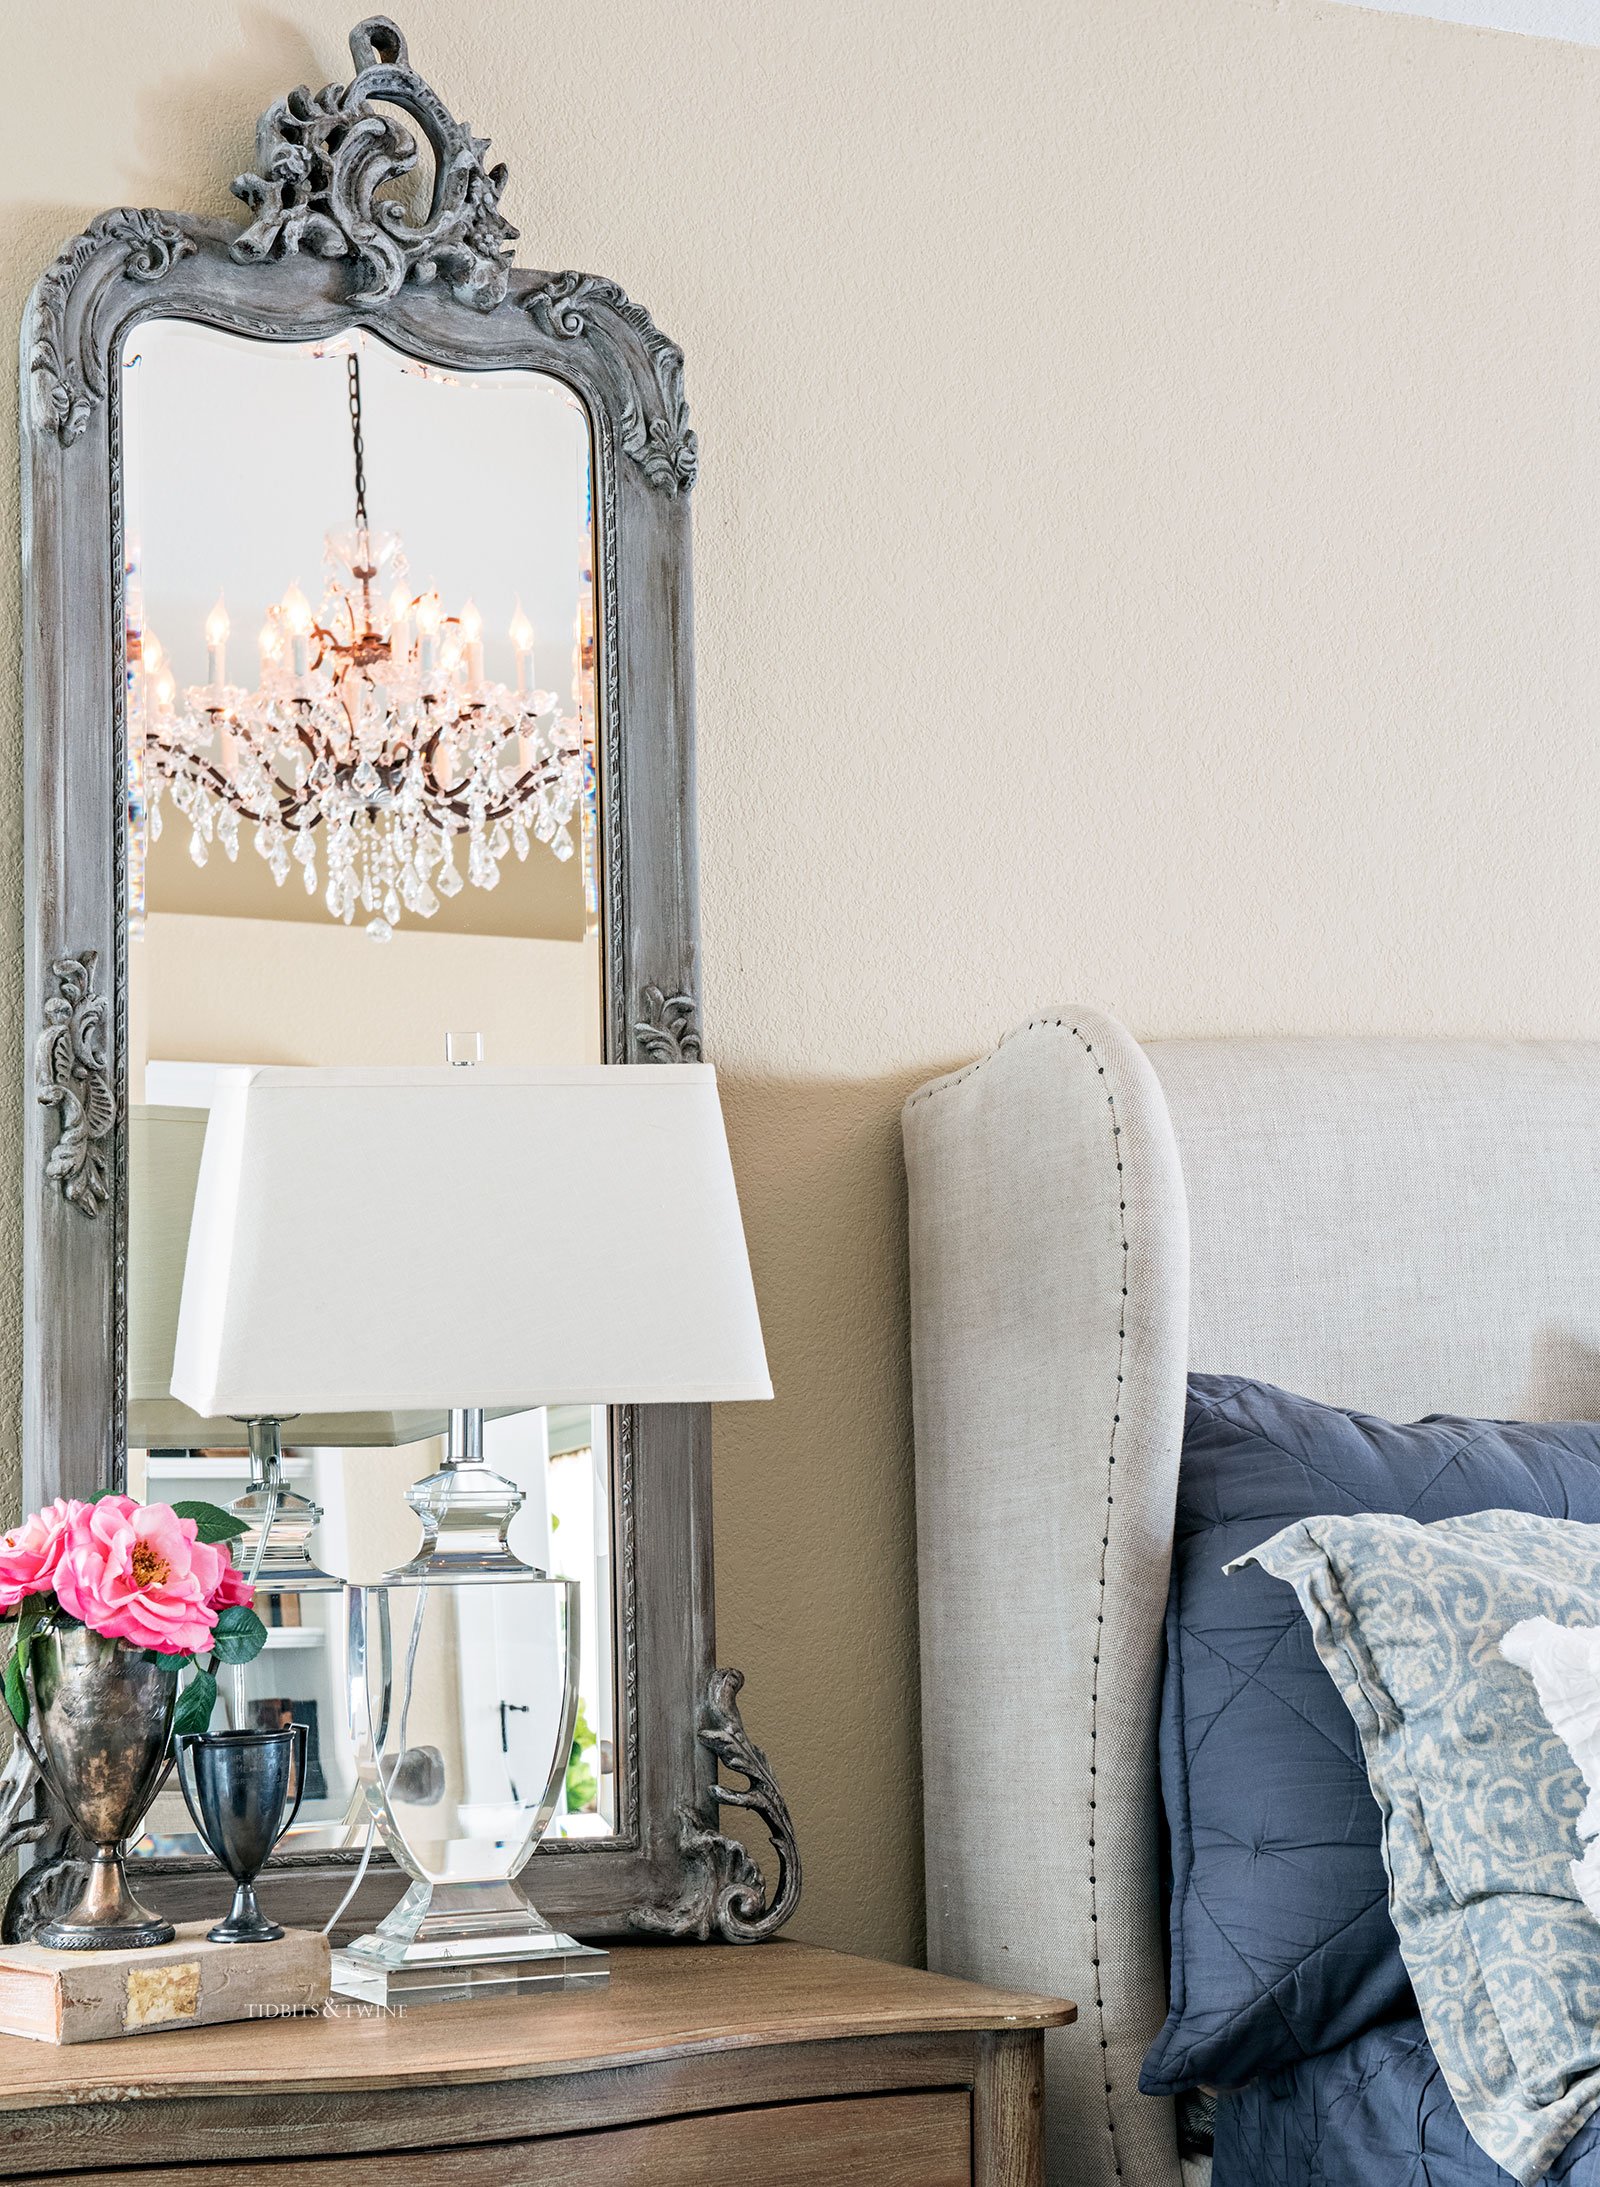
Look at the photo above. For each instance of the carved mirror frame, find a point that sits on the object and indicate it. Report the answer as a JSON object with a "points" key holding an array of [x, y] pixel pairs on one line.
{"points": [[325, 250]]}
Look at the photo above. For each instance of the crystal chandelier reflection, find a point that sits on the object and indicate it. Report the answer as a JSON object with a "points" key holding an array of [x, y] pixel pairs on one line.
{"points": [[374, 744]]}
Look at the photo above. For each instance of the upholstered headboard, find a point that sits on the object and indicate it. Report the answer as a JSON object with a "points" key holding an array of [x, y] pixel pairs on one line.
{"points": [[1404, 1226]]}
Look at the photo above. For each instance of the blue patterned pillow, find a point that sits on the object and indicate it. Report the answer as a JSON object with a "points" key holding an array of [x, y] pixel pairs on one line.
{"points": [[1480, 1799], [1282, 1945]]}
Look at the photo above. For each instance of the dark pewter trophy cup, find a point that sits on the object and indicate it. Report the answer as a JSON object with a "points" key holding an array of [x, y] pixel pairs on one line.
{"points": [[242, 1784]]}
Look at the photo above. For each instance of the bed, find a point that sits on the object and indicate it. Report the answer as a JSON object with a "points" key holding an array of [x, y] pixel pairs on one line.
{"points": [[1404, 1227]]}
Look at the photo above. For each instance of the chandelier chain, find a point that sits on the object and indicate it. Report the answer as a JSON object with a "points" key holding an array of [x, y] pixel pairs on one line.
{"points": [[353, 363]]}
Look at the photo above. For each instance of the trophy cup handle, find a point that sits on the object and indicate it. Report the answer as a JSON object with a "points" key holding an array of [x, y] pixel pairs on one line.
{"points": [[300, 1736], [180, 1747]]}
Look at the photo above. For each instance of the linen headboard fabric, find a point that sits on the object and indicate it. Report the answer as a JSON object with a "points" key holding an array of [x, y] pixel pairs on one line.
{"points": [[1404, 1226]]}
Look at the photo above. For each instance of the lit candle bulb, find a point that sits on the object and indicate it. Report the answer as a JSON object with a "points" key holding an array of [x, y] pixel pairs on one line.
{"points": [[429, 614], [521, 635], [153, 653], [297, 614], [399, 625], [271, 644], [166, 690], [217, 627], [472, 632]]}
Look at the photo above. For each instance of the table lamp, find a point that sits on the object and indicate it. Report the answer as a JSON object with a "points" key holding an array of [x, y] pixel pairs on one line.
{"points": [[506, 1238]]}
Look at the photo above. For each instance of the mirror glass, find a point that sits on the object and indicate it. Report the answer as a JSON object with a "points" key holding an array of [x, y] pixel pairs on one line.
{"points": [[363, 827]]}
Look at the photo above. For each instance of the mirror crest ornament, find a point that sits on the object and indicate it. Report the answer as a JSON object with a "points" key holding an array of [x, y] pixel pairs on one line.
{"points": [[328, 248], [323, 160]]}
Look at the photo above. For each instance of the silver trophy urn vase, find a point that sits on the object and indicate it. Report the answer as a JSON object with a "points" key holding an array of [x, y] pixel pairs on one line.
{"points": [[101, 1736]]}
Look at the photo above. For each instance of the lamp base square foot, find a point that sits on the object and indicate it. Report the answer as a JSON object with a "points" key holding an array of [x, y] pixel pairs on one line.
{"points": [[548, 1963]]}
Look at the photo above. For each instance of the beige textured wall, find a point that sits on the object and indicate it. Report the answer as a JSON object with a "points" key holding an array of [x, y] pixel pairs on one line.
{"points": [[1148, 547]]}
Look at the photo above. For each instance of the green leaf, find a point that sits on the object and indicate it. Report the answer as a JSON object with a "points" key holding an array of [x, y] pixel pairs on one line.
{"points": [[32, 1614], [165, 1660], [240, 1635], [195, 1703], [212, 1523], [16, 1691]]}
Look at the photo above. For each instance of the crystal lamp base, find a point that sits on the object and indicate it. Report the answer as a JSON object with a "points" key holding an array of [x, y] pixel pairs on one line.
{"points": [[464, 1939], [556, 1963], [281, 1562], [460, 1931]]}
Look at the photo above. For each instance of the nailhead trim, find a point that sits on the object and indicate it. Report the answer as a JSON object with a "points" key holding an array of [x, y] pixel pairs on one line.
{"points": [[1035, 1025]]}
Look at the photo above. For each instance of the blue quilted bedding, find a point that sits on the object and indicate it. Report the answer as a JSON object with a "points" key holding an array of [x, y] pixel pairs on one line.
{"points": [[1375, 2113]]}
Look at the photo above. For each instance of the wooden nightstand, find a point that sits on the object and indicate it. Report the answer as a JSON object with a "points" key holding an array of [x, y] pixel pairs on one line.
{"points": [[775, 2063]]}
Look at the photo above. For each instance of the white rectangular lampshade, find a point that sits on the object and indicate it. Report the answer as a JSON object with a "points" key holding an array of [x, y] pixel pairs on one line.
{"points": [[165, 1145], [405, 1239]]}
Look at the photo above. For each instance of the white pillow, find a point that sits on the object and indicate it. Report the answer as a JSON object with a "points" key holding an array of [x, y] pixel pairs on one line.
{"points": [[1564, 1663]]}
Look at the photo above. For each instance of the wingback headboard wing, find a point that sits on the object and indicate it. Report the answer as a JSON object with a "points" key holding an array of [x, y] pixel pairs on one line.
{"points": [[1048, 1255]]}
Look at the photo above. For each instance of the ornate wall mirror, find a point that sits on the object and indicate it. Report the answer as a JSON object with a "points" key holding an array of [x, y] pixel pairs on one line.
{"points": [[359, 693]]}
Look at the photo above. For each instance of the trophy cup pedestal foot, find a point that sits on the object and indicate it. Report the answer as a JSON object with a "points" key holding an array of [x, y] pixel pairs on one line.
{"points": [[106, 1917]]}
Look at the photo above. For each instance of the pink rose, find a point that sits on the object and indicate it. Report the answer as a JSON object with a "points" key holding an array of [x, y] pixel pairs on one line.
{"points": [[221, 1582], [135, 1572], [232, 1586], [30, 1553]]}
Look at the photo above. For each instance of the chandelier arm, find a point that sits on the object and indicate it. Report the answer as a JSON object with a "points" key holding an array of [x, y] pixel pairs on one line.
{"points": [[291, 803], [430, 752], [317, 746], [215, 780], [537, 778], [510, 798]]}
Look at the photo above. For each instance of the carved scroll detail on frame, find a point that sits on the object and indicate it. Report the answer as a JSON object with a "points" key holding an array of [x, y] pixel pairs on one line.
{"points": [[324, 156], [72, 1075], [656, 432], [725, 1893], [67, 373], [669, 1031]]}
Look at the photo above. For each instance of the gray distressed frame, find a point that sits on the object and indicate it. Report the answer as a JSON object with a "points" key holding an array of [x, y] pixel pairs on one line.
{"points": [[326, 250]]}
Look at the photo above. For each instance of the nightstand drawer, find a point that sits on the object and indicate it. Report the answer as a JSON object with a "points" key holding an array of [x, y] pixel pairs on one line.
{"points": [[862, 2141]]}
